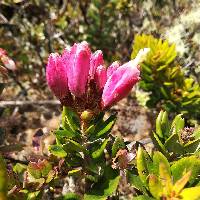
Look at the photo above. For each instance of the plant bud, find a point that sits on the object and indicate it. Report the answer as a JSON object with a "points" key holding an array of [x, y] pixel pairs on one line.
{"points": [[100, 77], [56, 76], [95, 61], [76, 61]]}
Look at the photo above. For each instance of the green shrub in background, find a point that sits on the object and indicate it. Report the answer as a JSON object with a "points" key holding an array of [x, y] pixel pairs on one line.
{"points": [[159, 179], [163, 77], [173, 138]]}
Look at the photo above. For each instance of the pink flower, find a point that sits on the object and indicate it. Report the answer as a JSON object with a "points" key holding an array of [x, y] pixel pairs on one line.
{"points": [[82, 74], [77, 64], [95, 60], [100, 77], [2, 52], [122, 80], [120, 83], [56, 76]]}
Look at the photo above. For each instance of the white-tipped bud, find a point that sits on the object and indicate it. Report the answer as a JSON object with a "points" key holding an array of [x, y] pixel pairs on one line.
{"points": [[141, 56]]}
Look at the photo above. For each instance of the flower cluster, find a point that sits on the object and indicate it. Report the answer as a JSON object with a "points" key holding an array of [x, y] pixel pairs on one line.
{"points": [[79, 78]]}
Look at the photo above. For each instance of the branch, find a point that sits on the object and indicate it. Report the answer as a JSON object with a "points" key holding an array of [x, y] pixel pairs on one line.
{"points": [[22, 103]]}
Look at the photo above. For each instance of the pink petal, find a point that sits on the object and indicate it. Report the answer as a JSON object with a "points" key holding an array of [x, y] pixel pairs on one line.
{"points": [[95, 61], [100, 76], [56, 76], [113, 67], [77, 63], [120, 83]]}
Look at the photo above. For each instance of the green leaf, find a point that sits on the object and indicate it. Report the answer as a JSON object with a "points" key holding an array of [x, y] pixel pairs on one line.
{"points": [[34, 195], [158, 124], [96, 154], [72, 145], [50, 176], [136, 182], [180, 184], [69, 118], [117, 145], [143, 197], [70, 196], [58, 151], [155, 186], [180, 167], [106, 126], [158, 158], [66, 133], [192, 146], [177, 124], [144, 164], [158, 144], [173, 145], [165, 125], [105, 187], [45, 167], [34, 170], [192, 193], [39, 169], [19, 168]]}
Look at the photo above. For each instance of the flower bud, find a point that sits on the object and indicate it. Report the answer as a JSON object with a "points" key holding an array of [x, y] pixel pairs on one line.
{"points": [[95, 61], [77, 63], [56, 76], [120, 84], [122, 80], [100, 77]]}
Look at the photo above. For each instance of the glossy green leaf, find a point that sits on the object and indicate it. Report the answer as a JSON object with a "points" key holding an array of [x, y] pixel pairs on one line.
{"points": [[180, 184], [69, 117], [117, 145], [96, 154], [106, 126], [155, 186], [58, 151], [105, 187], [72, 145], [165, 125], [173, 145], [136, 182], [158, 144], [144, 164], [177, 124], [158, 124], [180, 167], [67, 133], [158, 158], [192, 146]]}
